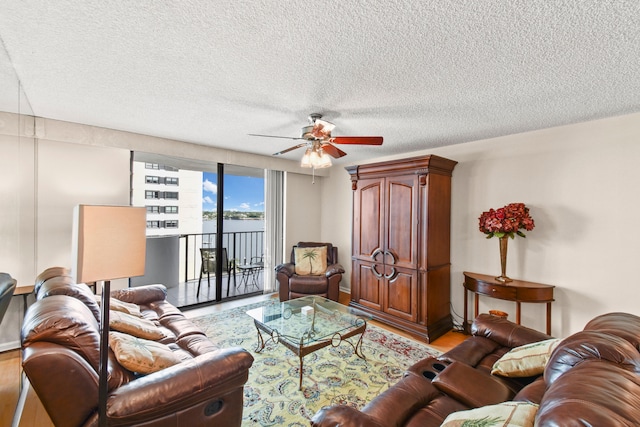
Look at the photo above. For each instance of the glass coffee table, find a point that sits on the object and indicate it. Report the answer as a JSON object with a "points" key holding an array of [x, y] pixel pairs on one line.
{"points": [[307, 324]]}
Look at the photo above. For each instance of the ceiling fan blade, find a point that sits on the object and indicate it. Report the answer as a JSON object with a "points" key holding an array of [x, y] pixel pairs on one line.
{"points": [[290, 148], [362, 140], [333, 151], [273, 136], [322, 129]]}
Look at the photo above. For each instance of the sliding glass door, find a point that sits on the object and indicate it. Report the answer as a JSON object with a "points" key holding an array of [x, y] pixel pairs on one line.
{"points": [[215, 217]]}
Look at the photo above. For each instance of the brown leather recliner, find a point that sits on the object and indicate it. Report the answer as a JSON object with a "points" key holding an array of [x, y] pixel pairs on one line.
{"points": [[327, 284], [592, 378], [61, 347]]}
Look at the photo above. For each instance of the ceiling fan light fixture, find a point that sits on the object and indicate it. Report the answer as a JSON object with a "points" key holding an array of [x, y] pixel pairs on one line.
{"points": [[324, 161], [315, 157], [306, 159]]}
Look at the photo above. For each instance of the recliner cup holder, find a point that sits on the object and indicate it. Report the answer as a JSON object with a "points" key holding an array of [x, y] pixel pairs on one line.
{"points": [[429, 374], [439, 367]]}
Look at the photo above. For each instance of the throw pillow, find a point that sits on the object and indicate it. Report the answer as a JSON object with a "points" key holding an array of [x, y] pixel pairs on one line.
{"points": [[124, 307], [507, 414], [140, 355], [526, 360], [311, 261], [132, 325]]}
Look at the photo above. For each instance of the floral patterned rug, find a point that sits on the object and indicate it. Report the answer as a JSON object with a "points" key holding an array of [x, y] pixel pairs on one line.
{"points": [[331, 375]]}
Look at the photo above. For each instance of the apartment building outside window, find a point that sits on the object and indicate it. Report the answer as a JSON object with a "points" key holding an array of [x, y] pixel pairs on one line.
{"points": [[150, 194], [158, 187]]}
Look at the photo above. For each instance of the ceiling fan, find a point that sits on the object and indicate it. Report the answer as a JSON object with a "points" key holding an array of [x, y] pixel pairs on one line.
{"points": [[320, 143]]}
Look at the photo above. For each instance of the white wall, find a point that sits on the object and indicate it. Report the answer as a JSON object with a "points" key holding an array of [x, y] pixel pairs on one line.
{"points": [[68, 175], [581, 183], [336, 218], [303, 213]]}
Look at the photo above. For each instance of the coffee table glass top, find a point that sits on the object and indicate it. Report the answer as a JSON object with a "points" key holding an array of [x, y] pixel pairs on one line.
{"points": [[309, 319]]}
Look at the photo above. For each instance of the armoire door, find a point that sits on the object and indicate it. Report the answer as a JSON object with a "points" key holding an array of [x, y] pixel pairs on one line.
{"points": [[368, 219], [401, 222], [367, 286], [400, 293]]}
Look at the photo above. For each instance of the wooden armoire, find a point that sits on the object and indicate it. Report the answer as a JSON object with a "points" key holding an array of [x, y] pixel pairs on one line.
{"points": [[400, 248]]}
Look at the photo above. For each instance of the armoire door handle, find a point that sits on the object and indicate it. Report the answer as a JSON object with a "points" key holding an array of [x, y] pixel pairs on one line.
{"points": [[390, 275], [393, 258], [375, 272]]}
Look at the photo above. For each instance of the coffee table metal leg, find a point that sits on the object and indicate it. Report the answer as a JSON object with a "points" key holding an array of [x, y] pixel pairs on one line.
{"points": [[300, 355], [261, 342], [358, 348], [301, 368]]}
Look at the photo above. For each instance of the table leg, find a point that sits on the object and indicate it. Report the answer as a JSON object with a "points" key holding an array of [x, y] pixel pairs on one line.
{"points": [[300, 385], [466, 319], [518, 312], [548, 318], [477, 306], [261, 342]]}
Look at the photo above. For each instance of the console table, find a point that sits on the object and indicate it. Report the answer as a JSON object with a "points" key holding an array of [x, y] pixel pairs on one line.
{"points": [[518, 291]]}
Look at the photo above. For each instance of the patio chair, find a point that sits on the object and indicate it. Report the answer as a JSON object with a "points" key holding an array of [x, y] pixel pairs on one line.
{"points": [[208, 266]]}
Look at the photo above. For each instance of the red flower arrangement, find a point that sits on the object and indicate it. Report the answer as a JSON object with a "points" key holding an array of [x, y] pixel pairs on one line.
{"points": [[506, 221]]}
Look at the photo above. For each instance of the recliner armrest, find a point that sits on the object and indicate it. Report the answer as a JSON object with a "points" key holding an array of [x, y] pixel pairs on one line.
{"points": [[288, 269], [180, 386], [471, 386], [505, 332], [334, 269]]}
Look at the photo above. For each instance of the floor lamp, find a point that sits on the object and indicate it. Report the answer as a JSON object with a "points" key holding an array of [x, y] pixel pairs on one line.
{"points": [[109, 242]]}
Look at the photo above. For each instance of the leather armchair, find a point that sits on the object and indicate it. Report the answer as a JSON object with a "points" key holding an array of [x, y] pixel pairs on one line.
{"points": [[327, 284]]}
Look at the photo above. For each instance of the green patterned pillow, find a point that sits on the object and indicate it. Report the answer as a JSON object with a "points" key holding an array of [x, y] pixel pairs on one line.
{"points": [[507, 414], [526, 360]]}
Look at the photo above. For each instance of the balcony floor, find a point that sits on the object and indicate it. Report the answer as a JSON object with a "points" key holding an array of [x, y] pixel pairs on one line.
{"points": [[184, 295]]}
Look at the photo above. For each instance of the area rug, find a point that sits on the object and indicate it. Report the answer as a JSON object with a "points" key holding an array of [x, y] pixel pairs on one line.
{"points": [[332, 375]]}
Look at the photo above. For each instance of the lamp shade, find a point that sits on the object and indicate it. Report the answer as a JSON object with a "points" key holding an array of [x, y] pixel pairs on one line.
{"points": [[109, 242]]}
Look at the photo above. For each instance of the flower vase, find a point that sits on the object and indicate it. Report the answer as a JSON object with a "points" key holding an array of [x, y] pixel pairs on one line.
{"points": [[503, 260]]}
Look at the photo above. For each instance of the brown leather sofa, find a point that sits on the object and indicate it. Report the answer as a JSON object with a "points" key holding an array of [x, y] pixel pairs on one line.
{"points": [[292, 285], [591, 379], [60, 342]]}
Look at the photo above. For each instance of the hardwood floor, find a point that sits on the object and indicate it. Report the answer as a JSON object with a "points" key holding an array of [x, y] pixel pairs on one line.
{"points": [[34, 414]]}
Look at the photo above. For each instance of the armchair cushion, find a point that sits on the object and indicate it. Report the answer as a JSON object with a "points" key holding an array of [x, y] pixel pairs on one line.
{"points": [[311, 261], [140, 355]]}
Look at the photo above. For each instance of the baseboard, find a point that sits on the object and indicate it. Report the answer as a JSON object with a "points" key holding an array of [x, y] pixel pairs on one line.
{"points": [[11, 345]]}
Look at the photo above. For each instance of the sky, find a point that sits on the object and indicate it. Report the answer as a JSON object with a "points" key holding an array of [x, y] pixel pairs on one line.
{"points": [[241, 193]]}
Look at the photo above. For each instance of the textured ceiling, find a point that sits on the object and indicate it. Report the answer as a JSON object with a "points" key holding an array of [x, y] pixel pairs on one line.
{"points": [[421, 74]]}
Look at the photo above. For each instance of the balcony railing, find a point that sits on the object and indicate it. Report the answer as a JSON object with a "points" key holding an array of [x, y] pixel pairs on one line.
{"points": [[242, 247]]}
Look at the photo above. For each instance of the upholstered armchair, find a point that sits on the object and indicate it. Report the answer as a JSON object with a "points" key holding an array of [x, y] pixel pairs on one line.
{"points": [[313, 270]]}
